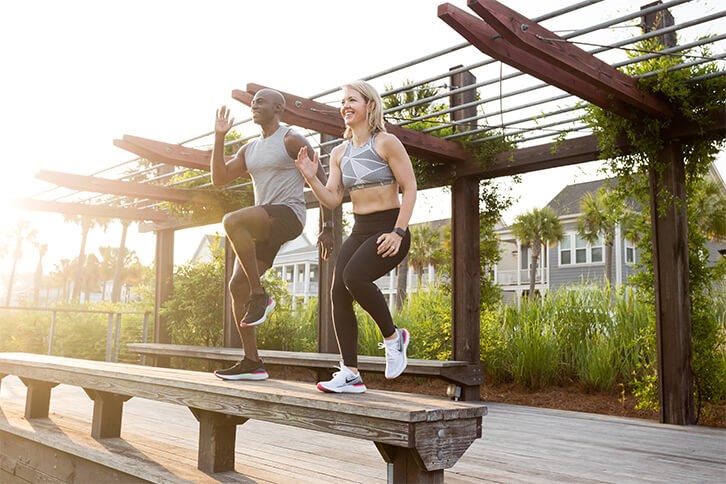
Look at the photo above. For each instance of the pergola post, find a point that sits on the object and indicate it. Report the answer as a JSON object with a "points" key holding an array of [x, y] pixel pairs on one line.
{"points": [[230, 335], [465, 295], [672, 301], [164, 286], [327, 343]]}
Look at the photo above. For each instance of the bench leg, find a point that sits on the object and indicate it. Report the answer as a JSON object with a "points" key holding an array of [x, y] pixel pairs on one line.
{"points": [[37, 401], [217, 433], [107, 412], [404, 465]]}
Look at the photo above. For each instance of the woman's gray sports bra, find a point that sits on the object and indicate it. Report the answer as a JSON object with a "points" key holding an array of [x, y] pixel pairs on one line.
{"points": [[363, 168]]}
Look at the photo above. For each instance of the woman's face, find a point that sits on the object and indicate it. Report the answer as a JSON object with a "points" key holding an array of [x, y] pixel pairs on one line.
{"points": [[353, 108]]}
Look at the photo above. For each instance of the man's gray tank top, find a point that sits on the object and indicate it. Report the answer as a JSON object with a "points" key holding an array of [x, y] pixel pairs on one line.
{"points": [[275, 178]]}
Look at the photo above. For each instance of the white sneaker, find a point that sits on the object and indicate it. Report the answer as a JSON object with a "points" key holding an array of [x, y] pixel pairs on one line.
{"points": [[343, 381], [396, 359]]}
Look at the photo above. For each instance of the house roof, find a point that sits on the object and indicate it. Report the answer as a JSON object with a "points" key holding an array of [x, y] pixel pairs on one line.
{"points": [[567, 202]]}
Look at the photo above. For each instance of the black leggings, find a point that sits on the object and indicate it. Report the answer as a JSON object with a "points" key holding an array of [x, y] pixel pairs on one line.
{"points": [[357, 267]]}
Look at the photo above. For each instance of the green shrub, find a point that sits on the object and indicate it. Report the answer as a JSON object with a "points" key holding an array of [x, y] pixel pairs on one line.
{"points": [[427, 315], [531, 344]]}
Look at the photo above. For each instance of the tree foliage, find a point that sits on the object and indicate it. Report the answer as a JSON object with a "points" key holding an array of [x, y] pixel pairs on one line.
{"points": [[694, 94], [539, 226]]}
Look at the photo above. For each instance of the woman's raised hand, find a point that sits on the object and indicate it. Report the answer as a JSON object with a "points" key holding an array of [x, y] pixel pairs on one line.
{"points": [[307, 167]]}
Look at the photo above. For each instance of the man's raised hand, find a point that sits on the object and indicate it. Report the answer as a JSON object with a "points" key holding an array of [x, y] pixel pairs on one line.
{"points": [[223, 122]]}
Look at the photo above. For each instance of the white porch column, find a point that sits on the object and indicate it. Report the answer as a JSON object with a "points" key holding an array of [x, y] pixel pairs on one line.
{"points": [[618, 255], [519, 262], [306, 284]]}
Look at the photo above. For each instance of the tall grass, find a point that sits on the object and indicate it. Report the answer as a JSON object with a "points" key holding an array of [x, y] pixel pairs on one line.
{"points": [[596, 337], [531, 351], [582, 334]]}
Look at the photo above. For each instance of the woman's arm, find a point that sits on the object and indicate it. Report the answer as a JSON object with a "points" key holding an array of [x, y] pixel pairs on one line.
{"points": [[329, 194], [392, 150]]}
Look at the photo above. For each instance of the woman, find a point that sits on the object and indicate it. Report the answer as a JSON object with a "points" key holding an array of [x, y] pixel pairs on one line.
{"points": [[372, 165]]}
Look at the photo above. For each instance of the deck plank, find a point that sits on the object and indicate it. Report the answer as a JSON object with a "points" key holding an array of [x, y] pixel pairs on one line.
{"points": [[519, 444]]}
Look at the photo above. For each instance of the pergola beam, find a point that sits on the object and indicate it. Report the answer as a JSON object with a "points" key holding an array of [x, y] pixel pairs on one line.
{"points": [[168, 153], [101, 211], [320, 117], [123, 188], [487, 40], [527, 35], [579, 150]]}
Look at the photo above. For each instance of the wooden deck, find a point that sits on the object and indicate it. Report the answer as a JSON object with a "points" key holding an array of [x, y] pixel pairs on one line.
{"points": [[519, 444]]}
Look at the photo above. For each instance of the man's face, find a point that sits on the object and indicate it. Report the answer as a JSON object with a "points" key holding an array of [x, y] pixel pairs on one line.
{"points": [[263, 107]]}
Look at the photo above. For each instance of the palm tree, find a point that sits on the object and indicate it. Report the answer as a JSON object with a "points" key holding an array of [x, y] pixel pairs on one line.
{"points": [[91, 276], [87, 223], [600, 214], [117, 266], [37, 281], [708, 207], [22, 233], [107, 266], [61, 277], [425, 248], [533, 229], [121, 259]]}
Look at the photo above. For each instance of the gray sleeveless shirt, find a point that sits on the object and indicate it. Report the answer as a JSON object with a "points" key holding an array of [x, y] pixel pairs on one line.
{"points": [[275, 178]]}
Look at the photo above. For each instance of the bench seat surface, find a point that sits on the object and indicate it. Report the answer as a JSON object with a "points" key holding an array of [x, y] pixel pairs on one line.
{"points": [[165, 384]]}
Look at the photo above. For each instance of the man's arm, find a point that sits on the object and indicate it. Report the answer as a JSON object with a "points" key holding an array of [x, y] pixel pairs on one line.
{"points": [[224, 172]]}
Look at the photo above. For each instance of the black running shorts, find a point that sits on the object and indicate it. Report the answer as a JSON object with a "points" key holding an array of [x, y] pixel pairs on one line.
{"points": [[284, 226]]}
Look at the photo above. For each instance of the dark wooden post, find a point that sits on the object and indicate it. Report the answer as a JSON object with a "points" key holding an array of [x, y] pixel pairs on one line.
{"points": [[164, 286], [465, 319], [404, 465], [672, 302], [217, 432], [107, 413], [327, 342], [653, 21], [230, 334], [37, 398]]}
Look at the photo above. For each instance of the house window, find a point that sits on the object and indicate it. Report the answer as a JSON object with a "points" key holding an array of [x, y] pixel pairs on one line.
{"points": [[580, 250], [584, 252], [596, 250], [629, 252], [566, 250], [525, 259]]}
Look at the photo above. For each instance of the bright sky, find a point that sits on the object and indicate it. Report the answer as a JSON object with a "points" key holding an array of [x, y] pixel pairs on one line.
{"points": [[78, 74]]}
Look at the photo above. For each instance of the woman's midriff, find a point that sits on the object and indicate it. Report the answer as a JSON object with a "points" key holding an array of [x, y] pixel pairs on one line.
{"points": [[375, 199]]}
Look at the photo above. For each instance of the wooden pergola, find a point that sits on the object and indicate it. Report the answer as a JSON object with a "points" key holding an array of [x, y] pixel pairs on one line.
{"points": [[524, 44]]}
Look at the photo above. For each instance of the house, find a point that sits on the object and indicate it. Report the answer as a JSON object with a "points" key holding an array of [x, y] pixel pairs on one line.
{"points": [[297, 264], [570, 261]]}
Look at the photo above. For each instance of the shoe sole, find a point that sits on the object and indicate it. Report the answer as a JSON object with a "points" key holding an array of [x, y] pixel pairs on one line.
{"points": [[406, 340], [348, 389], [243, 376], [267, 312]]}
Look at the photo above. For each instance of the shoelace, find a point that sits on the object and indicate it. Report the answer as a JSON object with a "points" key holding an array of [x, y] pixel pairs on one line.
{"points": [[392, 350]]}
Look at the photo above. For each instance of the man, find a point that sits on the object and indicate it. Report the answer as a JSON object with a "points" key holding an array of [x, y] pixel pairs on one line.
{"points": [[256, 233]]}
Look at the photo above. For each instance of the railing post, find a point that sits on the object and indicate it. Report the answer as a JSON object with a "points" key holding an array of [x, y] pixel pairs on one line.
{"points": [[51, 334], [109, 336], [145, 334], [117, 337]]}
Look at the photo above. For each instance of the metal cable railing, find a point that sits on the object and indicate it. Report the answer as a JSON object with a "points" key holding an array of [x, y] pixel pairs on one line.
{"points": [[538, 117]]}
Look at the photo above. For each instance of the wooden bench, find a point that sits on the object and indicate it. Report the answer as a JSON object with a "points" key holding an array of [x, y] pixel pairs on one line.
{"points": [[460, 373], [418, 436]]}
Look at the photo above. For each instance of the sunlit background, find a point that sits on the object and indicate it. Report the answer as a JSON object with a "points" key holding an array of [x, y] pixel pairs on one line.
{"points": [[78, 74]]}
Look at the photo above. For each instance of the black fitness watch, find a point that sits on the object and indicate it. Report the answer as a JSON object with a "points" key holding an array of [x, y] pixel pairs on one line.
{"points": [[400, 231]]}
